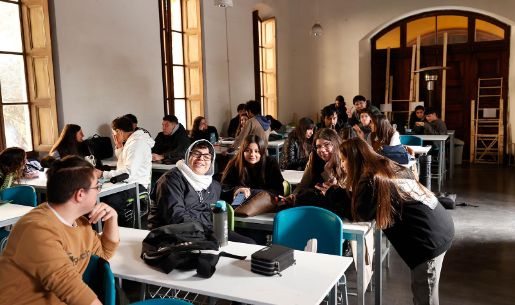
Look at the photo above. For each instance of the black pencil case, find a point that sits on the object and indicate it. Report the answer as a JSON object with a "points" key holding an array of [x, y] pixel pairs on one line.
{"points": [[271, 260]]}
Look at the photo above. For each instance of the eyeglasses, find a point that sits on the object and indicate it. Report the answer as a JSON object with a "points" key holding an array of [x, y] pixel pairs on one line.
{"points": [[198, 155], [98, 187], [326, 146]]}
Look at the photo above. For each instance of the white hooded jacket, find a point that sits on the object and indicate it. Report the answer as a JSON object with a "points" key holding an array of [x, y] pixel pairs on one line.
{"points": [[135, 159]]}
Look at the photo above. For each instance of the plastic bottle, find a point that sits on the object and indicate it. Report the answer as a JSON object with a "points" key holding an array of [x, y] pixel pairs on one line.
{"points": [[220, 225]]}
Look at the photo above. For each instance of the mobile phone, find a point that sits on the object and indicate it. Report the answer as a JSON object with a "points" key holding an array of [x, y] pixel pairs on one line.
{"points": [[239, 199]]}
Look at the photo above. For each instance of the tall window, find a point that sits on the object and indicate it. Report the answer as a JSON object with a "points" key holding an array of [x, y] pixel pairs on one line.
{"points": [[181, 43], [265, 63], [28, 113]]}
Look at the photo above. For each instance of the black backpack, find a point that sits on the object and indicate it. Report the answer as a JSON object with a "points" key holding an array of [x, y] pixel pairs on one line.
{"points": [[177, 246]]}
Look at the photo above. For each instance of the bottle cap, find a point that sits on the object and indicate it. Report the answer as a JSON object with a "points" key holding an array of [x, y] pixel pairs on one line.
{"points": [[220, 204]]}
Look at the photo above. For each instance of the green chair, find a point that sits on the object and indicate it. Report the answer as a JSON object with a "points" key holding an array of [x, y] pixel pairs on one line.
{"points": [[101, 281]]}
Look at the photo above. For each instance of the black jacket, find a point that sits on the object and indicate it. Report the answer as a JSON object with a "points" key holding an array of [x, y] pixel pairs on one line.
{"points": [[174, 146], [272, 183], [175, 201], [233, 126], [293, 156], [205, 134], [418, 233]]}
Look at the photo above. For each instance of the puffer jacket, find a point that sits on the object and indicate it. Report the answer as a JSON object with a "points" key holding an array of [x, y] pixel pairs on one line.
{"points": [[293, 156]]}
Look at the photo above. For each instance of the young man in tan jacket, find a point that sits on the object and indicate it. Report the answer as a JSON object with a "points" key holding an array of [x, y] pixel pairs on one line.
{"points": [[50, 247], [256, 125]]}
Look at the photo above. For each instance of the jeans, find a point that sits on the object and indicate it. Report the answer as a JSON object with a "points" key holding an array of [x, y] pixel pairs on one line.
{"points": [[424, 281]]}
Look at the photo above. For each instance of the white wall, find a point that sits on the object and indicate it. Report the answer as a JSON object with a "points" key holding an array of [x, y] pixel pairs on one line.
{"points": [[107, 63]]}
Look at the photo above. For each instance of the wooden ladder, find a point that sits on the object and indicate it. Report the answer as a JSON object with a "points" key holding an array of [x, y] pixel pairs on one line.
{"points": [[487, 125]]}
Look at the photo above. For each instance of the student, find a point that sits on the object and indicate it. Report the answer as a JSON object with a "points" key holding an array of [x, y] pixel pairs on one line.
{"points": [[360, 103], [134, 121], [70, 142], [417, 116], [364, 128], [187, 192], [202, 131], [256, 125], [276, 125], [172, 142], [339, 105], [243, 119], [411, 217], [50, 247], [12, 166], [323, 164], [329, 118], [133, 151], [383, 133], [297, 146], [433, 125], [251, 169], [235, 122]]}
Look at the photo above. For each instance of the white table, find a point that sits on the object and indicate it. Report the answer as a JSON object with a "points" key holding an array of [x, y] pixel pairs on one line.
{"points": [[156, 166], [351, 231], [307, 282], [10, 213], [292, 176], [440, 139], [420, 150]]}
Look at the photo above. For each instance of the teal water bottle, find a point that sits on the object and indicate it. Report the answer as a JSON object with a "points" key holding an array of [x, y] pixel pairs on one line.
{"points": [[220, 226]]}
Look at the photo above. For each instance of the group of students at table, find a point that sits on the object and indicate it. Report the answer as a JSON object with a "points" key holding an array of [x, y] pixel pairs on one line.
{"points": [[49, 248]]}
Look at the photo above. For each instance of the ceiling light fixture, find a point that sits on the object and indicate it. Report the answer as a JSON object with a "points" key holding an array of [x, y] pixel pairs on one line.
{"points": [[223, 3]]}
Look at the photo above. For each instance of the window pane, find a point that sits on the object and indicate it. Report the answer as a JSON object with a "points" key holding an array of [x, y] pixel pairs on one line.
{"points": [[180, 110], [17, 126], [178, 82], [392, 39], [486, 31], [423, 27], [10, 31], [455, 26], [177, 48], [12, 79], [176, 15]]}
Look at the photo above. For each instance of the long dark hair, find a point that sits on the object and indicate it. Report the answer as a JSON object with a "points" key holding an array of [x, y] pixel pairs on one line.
{"points": [[318, 164], [299, 135], [364, 163], [242, 165], [12, 160], [384, 130], [67, 143], [196, 125]]}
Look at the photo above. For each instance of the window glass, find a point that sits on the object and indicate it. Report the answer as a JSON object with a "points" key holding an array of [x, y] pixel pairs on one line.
{"points": [[486, 31], [177, 47], [10, 29], [180, 110], [455, 26], [423, 27], [392, 39], [17, 126], [176, 15], [12, 79], [178, 82]]}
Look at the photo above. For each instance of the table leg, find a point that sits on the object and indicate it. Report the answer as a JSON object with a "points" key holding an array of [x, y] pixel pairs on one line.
{"points": [[451, 155], [137, 214], [378, 276], [333, 295], [361, 268]]}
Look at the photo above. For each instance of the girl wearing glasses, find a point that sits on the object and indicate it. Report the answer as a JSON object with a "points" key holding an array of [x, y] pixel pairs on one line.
{"points": [[251, 169]]}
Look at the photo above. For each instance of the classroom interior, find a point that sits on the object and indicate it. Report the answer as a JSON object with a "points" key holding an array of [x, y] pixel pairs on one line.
{"points": [[107, 61]]}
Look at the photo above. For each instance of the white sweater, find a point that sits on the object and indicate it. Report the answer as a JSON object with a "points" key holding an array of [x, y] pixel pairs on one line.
{"points": [[135, 159]]}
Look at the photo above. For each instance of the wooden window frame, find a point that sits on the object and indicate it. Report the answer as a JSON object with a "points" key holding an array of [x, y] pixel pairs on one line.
{"points": [[165, 19]]}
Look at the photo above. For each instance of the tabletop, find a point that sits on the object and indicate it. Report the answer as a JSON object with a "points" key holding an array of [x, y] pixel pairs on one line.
{"points": [[233, 279], [10, 213], [292, 176]]}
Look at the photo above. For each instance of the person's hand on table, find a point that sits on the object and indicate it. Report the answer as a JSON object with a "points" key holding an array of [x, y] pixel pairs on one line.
{"points": [[419, 123], [244, 190], [156, 157]]}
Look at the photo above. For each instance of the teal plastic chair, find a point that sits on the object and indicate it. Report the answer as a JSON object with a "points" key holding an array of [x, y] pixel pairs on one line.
{"points": [[294, 227], [164, 301], [411, 140], [20, 194], [104, 286]]}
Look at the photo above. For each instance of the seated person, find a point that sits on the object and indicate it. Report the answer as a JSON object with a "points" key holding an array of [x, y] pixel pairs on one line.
{"points": [[364, 128], [383, 133], [235, 122], [172, 142], [50, 247], [276, 125], [133, 151], [12, 167], [256, 125], [134, 121], [339, 105], [243, 119], [297, 146], [188, 191], [251, 170], [417, 116], [202, 131], [433, 125], [70, 142], [360, 102]]}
